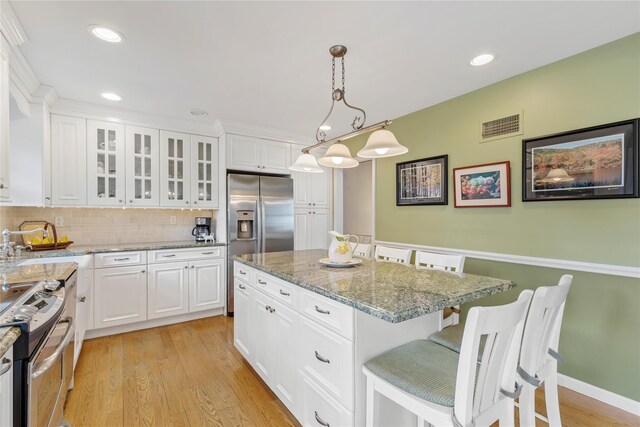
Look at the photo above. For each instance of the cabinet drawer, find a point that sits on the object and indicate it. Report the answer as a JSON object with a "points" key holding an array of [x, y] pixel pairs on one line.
{"points": [[172, 255], [120, 259], [282, 291], [320, 410], [244, 273], [327, 358], [335, 316]]}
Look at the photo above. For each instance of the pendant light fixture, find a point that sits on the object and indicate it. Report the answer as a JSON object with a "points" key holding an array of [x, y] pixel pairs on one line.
{"points": [[382, 143]]}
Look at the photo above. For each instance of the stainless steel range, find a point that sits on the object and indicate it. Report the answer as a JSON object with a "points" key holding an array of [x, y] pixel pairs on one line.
{"points": [[43, 354]]}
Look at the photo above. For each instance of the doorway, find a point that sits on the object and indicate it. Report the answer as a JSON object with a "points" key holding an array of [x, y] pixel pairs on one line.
{"points": [[357, 201]]}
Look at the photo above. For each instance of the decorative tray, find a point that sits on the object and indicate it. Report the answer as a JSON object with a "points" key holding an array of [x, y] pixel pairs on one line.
{"points": [[327, 262]]}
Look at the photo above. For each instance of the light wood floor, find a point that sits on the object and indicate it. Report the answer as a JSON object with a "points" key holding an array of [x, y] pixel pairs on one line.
{"points": [[191, 375]]}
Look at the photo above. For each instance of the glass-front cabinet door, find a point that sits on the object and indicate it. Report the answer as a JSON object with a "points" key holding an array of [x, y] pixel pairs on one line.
{"points": [[175, 165], [105, 163], [143, 158], [204, 172]]}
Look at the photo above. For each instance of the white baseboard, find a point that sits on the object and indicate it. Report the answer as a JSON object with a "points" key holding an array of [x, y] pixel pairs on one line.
{"points": [[563, 264], [121, 329], [605, 396]]}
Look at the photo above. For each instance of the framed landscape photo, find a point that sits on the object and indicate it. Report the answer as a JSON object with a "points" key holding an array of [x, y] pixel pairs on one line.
{"points": [[482, 186], [600, 162], [422, 182]]}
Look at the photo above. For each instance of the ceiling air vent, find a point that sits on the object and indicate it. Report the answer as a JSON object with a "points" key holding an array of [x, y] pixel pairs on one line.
{"points": [[502, 128]]}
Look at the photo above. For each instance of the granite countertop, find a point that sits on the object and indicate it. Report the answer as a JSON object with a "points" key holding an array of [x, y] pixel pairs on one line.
{"points": [[7, 337], [389, 291], [11, 273], [78, 250]]}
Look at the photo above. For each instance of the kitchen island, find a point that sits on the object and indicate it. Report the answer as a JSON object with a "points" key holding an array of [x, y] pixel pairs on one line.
{"points": [[307, 329]]}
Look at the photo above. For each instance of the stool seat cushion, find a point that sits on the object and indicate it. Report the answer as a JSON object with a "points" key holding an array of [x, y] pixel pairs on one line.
{"points": [[451, 338], [421, 368]]}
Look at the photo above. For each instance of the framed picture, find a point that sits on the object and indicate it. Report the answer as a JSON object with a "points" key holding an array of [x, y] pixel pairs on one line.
{"points": [[600, 162], [422, 182], [482, 186]]}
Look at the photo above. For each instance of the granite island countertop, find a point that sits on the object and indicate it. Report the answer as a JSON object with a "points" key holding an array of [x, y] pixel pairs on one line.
{"points": [[392, 292]]}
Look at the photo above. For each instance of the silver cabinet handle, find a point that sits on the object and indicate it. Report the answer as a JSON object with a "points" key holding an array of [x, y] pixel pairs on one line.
{"points": [[271, 309], [143, 271], [193, 266], [319, 310], [195, 203], [186, 202], [120, 201], [130, 201], [168, 256], [266, 307], [242, 272], [83, 299], [261, 282], [320, 420], [4, 186], [322, 359], [242, 287], [6, 365], [122, 259], [207, 253], [186, 266], [286, 294]]}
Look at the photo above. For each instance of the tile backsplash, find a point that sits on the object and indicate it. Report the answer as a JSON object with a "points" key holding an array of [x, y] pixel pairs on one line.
{"points": [[95, 226]]}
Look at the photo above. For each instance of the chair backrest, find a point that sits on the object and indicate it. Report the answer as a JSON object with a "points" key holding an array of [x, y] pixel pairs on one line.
{"points": [[479, 385], [361, 249], [387, 254], [542, 331], [430, 260]]}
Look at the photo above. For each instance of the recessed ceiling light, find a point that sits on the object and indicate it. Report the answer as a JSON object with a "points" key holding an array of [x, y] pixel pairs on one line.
{"points": [[325, 127], [105, 33], [199, 113], [483, 59], [111, 96]]}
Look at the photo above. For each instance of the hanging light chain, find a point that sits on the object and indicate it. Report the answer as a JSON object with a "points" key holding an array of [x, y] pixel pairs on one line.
{"points": [[333, 74], [343, 88]]}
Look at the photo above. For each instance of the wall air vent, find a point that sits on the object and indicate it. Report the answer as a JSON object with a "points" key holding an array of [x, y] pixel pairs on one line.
{"points": [[502, 128]]}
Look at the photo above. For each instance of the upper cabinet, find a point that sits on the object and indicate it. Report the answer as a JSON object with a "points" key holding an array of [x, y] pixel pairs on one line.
{"points": [[68, 161], [4, 120], [204, 171], [245, 153], [105, 163], [142, 161], [311, 190]]}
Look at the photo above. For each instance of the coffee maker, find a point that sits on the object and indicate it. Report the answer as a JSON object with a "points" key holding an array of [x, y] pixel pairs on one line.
{"points": [[202, 228]]}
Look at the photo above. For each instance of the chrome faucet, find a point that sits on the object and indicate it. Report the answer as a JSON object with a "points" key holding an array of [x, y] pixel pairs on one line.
{"points": [[7, 251]]}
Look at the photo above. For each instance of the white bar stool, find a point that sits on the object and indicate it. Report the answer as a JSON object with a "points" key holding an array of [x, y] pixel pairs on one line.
{"points": [[361, 250], [387, 254]]}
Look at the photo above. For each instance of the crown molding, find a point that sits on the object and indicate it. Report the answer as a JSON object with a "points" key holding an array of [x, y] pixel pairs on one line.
{"points": [[265, 132], [119, 115], [21, 74], [10, 26], [45, 95]]}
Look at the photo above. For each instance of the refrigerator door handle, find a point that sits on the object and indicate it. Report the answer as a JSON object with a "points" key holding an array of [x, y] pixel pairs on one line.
{"points": [[262, 224]]}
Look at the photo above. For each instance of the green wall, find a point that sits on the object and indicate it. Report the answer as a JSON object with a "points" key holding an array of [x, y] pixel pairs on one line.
{"points": [[601, 330]]}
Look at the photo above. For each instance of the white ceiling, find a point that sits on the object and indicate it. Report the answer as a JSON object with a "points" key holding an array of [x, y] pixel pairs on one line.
{"points": [[267, 63]]}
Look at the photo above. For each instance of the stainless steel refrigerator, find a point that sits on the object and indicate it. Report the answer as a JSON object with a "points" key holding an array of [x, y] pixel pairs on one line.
{"points": [[260, 218]]}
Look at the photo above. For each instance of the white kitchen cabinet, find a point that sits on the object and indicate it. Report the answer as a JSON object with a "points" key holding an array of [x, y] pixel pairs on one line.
{"points": [[251, 154], [5, 194], [206, 284], [311, 190], [264, 352], [204, 171], [105, 163], [6, 388], [311, 228], [120, 296], [175, 169], [68, 160], [242, 322], [286, 358], [167, 289], [142, 159]]}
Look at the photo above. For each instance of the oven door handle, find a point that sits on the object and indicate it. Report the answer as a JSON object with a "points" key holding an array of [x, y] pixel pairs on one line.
{"points": [[41, 367]]}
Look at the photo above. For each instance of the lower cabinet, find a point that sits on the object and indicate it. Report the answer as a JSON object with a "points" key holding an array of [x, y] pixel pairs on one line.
{"points": [[120, 295], [206, 284], [6, 388], [167, 289], [242, 322]]}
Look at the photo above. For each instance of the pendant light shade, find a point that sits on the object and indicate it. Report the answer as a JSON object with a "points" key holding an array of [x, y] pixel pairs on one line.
{"points": [[306, 163], [338, 156], [382, 143]]}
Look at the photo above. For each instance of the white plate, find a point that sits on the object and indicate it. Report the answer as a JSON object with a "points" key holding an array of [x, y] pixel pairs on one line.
{"points": [[329, 263]]}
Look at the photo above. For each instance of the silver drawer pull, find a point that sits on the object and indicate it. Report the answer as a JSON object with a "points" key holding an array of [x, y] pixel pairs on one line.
{"points": [[242, 287], [168, 256], [286, 294], [266, 307], [122, 259], [83, 299], [322, 359], [6, 365], [319, 310], [242, 272], [320, 420], [261, 282], [207, 253]]}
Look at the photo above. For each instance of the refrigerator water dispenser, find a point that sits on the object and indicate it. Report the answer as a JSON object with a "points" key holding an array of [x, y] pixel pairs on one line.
{"points": [[245, 224]]}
